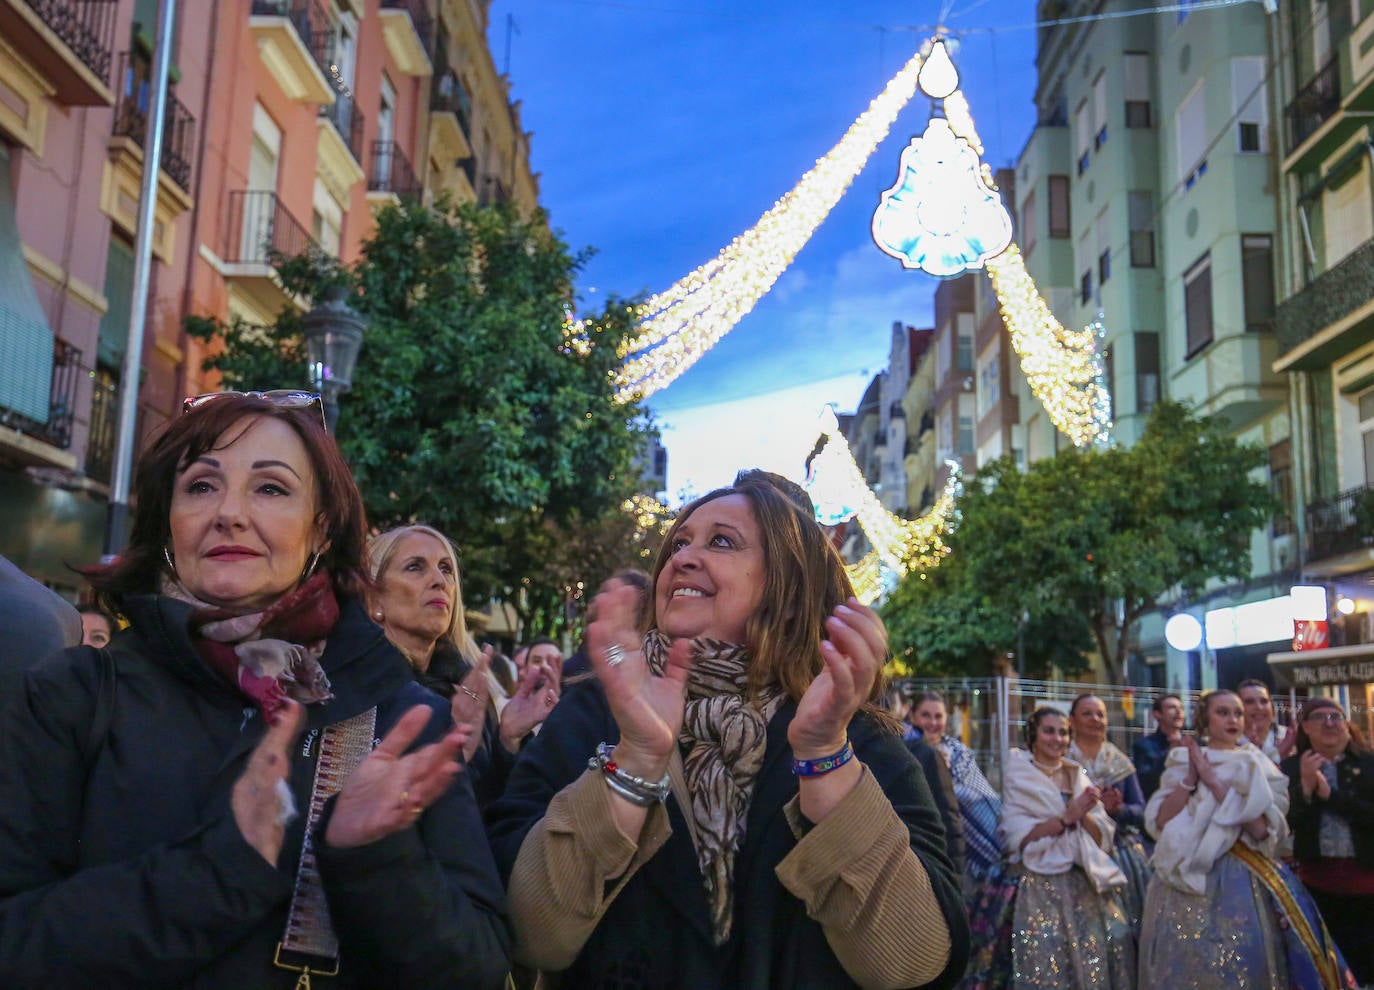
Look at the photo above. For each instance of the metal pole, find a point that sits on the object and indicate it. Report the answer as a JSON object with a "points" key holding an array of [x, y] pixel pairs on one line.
{"points": [[117, 519]]}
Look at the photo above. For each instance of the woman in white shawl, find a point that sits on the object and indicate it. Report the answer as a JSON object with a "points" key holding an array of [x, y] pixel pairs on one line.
{"points": [[1069, 931], [1221, 912]]}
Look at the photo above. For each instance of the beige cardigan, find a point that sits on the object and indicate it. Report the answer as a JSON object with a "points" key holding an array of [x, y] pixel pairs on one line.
{"points": [[855, 871]]}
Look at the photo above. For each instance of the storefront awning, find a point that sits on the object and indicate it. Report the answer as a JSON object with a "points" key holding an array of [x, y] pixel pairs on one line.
{"points": [[1336, 665], [26, 343]]}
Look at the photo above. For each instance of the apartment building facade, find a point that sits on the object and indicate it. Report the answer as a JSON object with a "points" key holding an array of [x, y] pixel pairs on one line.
{"points": [[1324, 104], [287, 124]]}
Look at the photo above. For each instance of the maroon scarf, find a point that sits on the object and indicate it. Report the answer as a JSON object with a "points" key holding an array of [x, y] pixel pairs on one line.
{"points": [[272, 654]]}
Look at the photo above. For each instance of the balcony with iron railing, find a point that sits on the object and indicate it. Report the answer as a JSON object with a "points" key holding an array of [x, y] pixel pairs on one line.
{"points": [[450, 116], [294, 38], [70, 41], [1313, 106], [406, 29], [390, 171], [261, 228], [131, 118], [56, 429], [1340, 525], [344, 114]]}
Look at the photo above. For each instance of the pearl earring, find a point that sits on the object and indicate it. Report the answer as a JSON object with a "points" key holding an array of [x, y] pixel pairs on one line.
{"points": [[378, 615]]}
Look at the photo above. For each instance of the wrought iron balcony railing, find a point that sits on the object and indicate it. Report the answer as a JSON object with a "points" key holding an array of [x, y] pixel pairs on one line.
{"points": [[131, 118], [391, 171], [344, 113], [310, 20], [260, 228], [449, 96], [1340, 524], [419, 16], [1313, 104], [87, 27], [66, 374]]}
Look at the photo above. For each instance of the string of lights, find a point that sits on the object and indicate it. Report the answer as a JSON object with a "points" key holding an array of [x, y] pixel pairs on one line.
{"points": [[677, 326], [901, 545], [1062, 367]]}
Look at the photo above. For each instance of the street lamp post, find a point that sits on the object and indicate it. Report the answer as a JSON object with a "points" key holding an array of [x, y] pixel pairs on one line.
{"points": [[333, 337]]}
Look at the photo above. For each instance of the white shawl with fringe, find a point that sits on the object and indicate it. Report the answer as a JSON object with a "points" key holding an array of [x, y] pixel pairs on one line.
{"points": [[1206, 829], [1030, 797]]}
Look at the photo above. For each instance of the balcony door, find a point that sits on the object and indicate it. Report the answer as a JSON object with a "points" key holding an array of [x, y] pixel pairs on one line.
{"points": [[259, 206], [1367, 435], [386, 135]]}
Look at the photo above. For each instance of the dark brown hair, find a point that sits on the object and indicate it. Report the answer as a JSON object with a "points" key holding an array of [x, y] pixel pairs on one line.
{"points": [[804, 582], [138, 567], [1032, 726], [1204, 705]]}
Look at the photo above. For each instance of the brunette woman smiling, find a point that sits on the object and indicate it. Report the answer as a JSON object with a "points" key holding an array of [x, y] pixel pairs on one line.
{"points": [[1069, 929], [164, 825]]}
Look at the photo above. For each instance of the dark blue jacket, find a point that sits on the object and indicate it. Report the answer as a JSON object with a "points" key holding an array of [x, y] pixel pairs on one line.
{"points": [[124, 867], [1149, 755]]}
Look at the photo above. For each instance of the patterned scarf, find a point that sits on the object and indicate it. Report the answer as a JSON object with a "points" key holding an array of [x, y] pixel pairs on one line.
{"points": [[1108, 768], [725, 736], [271, 654]]}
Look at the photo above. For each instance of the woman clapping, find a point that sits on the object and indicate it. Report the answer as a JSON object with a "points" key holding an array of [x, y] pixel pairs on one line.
{"points": [[726, 805], [1221, 912], [166, 822]]}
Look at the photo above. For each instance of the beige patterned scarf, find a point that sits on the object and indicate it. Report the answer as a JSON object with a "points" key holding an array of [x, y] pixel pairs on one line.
{"points": [[725, 736]]}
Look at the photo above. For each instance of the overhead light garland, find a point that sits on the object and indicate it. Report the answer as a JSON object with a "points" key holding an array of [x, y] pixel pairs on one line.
{"points": [[680, 324], [1062, 367], [902, 545]]}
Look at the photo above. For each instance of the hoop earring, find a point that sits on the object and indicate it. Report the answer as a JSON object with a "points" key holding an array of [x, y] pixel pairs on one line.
{"points": [[310, 567], [171, 564]]}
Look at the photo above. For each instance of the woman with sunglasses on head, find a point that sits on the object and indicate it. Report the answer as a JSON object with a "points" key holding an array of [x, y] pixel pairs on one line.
{"points": [[248, 788], [726, 805], [1221, 911], [417, 599], [1067, 929], [1331, 812]]}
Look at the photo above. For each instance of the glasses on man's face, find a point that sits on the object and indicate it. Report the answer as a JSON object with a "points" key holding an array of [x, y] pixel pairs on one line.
{"points": [[1325, 718], [285, 397]]}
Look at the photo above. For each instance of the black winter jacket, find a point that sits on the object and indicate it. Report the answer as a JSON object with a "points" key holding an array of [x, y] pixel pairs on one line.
{"points": [[657, 932], [1352, 799], [125, 868]]}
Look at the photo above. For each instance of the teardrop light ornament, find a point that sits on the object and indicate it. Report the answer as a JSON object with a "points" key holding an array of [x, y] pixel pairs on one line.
{"points": [[938, 77], [942, 216]]}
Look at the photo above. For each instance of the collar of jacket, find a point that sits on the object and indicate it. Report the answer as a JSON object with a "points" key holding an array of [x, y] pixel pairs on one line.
{"points": [[363, 667]]}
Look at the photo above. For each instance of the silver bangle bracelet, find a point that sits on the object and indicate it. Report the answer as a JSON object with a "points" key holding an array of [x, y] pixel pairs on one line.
{"points": [[635, 798], [626, 784]]}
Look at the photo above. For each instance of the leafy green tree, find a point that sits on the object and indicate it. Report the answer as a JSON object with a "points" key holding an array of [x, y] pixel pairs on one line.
{"points": [[468, 411], [1069, 554]]}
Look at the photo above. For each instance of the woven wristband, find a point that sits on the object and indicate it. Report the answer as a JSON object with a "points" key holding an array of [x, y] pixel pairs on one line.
{"points": [[818, 768]]}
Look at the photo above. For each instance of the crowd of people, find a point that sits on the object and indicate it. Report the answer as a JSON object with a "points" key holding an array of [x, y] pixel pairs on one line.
{"points": [[280, 757]]}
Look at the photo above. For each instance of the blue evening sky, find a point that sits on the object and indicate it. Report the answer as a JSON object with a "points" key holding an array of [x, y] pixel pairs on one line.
{"points": [[663, 129]]}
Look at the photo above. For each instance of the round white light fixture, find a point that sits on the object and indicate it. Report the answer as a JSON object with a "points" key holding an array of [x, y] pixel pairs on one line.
{"points": [[1345, 604], [1183, 632]]}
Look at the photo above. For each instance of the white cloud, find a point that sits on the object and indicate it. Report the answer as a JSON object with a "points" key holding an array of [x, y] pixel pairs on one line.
{"points": [[775, 431]]}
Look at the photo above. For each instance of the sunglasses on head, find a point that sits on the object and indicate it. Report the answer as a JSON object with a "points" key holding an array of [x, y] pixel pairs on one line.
{"points": [[287, 398]]}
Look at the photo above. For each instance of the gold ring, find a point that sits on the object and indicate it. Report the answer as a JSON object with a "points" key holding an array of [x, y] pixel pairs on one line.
{"points": [[405, 796], [470, 693]]}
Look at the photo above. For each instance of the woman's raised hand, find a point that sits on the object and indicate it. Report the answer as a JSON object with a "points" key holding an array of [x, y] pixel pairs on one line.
{"points": [[648, 709], [469, 704], [854, 653], [391, 787], [534, 699], [256, 801], [1086, 800]]}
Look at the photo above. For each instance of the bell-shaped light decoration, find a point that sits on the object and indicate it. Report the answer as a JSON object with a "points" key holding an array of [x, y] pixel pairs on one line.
{"points": [[938, 77], [942, 216], [829, 479]]}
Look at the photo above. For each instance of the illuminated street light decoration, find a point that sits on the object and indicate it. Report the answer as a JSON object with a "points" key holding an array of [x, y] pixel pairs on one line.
{"points": [[680, 324], [944, 215], [901, 545]]}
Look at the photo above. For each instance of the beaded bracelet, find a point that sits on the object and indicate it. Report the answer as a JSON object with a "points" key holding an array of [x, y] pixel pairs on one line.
{"points": [[636, 790], [818, 768]]}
